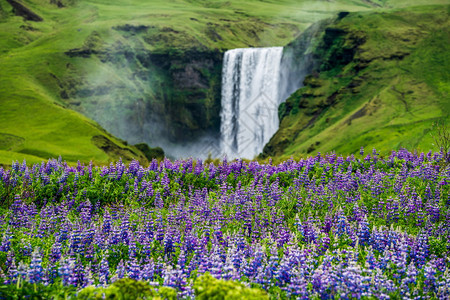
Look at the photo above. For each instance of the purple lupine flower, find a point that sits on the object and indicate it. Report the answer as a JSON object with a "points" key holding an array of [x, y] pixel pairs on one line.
{"points": [[64, 271], [364, 232], [252, 268], [125, 229], [6, 241], [76, 240], [51, 273], [371, 261], [160, 232], [103, 274], [273, 263], [12, 273], [342, 225], [298, 287], [216, 262], [148, 271], [169, 246], [283, 237], [236, 258], [430, 277], [175, 278], [121, 270], [35, 271], [134, 270], [88, 277], [444, 287], [26, 249], [203, 264], [410, 279], [73, 278], [421, 249], [283, 274], [9, 259], [377, 240], [86, 211], [64, 232], [22, 270], [229, 272]]}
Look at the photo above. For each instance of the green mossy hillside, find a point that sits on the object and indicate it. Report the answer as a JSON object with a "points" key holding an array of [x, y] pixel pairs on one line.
{"points": [[381, 80], [94, 57], [118, 63]]}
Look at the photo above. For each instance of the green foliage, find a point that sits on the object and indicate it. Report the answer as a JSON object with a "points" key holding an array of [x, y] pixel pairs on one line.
{"points": [[441, 137], [25, 290], [127, 289], [132, 289], [438, 246], [207, 287], [167, 293]]}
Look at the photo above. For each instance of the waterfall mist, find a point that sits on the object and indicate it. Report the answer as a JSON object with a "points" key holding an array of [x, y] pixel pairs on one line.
{"points": [[161, 99], [298, 61]]}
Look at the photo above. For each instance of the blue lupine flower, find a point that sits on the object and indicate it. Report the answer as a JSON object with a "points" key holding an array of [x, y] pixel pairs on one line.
{"points": [[35, 271]]}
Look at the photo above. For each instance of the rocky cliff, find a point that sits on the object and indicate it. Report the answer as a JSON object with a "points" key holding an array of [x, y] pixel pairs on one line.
{"points": [[144, 95]]}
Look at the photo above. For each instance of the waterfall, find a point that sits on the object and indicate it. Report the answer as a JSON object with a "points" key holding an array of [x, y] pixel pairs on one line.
{"points": [[250, 99]]}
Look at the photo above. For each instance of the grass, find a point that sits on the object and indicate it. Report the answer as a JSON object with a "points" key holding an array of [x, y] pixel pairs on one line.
{"points": [[34, 66], [390, 102]]}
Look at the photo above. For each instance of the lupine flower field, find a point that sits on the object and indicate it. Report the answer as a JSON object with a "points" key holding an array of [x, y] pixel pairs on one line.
{"points": [[325, 227]]}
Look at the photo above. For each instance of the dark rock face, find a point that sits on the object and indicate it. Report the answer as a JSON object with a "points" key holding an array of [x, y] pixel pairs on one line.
{"points": [[189, 76], [132, 28], [338, 47], [58, 3], [297, 61], [158, 98], [190, 90], [23, 11]]}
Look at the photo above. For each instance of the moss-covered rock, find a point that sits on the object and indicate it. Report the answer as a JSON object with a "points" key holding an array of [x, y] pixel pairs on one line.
{"points": [[151, 153]]}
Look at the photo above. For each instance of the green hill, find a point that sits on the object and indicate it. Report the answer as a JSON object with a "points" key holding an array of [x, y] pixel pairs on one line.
{"points": [[125, 65], [381, 79], [130, 65]]}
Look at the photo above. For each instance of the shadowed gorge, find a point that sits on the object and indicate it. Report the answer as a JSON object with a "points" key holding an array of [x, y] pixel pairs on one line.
{"points": [[170, 100]]}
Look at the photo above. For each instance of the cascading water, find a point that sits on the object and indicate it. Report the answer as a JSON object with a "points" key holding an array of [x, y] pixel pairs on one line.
{"points": [[250, 99]]}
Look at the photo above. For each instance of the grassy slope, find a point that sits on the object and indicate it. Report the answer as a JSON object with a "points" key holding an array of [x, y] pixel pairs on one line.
{"points": [[35, 126], [387, 97], [32, 55]]}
